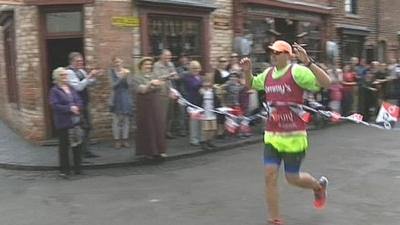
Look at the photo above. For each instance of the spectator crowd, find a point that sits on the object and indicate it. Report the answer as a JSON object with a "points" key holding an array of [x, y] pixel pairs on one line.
{"points": [[360, 87], [145, 97]]}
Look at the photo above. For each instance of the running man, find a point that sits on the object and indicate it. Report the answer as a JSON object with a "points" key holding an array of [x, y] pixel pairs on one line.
{"points": [[285, 136]]}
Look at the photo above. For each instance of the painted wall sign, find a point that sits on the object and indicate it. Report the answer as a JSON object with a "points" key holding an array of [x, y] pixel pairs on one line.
{"points": [[125, 21]]}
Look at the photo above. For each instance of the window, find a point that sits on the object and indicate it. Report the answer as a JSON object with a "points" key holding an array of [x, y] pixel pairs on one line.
{"points": [[263, 36], [312, 38], [266, 31], [352, 45], [180, 35], [64, 22], [382, 51], [350, 6], [7, 22]]}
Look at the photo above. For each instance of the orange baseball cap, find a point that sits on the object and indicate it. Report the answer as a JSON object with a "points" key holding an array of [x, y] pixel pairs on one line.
{"points": [[281, 46]]}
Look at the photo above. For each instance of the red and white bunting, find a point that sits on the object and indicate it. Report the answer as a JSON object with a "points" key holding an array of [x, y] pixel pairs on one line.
{"points": [[356, 117], [388, 113], [195, 114], [245, 127], [231, 125]]}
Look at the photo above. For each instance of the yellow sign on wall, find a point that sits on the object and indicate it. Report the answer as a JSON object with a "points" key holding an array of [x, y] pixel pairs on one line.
{"points": [[125, 21]]}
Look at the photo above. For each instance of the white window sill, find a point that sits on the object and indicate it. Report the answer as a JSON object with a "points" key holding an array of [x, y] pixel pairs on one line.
{"points": [[352, 16]]}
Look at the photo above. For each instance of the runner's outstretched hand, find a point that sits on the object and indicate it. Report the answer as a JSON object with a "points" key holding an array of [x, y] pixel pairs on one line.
{"points": [[301, 53]]}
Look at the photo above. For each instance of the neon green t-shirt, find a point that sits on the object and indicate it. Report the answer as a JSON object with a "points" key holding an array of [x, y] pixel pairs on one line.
{"points": [[306, 80]]}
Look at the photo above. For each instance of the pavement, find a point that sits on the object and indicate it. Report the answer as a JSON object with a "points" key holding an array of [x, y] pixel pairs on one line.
{"points": [[19, 154]]}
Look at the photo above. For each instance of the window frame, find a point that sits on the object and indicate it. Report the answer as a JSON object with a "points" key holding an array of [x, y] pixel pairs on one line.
{"points": [[350, 7], [351, 45], [10, 56], [164, 35], [201, 14], [57, 9]]}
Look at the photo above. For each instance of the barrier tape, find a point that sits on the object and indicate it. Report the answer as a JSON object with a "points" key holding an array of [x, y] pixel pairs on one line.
{"points": [[386, 118]]}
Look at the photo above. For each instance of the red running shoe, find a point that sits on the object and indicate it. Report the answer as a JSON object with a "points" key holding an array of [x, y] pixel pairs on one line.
{"points": [[276, 222], [321, 195]]}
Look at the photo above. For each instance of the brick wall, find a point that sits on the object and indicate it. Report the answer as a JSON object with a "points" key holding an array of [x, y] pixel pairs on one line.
{"points": [[29, 74], [137, 49], [389, 26], [315, 2], [221, 30], [102, 42], [3, 76], [365, 17], [29, 118]]}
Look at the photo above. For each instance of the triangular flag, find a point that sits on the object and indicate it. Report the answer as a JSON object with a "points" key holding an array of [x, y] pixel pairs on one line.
{"points": [[300, 112], [356, 117], [231, 125], [181, 101], [387, 113], [335, 117], [195, 114], [175, 92], [245, 126]]}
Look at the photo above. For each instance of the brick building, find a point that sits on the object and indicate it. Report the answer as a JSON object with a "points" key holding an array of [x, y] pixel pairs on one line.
{"points": [[388, 30], [367, 29], [353, 26], [263, 21], [37, 35]]}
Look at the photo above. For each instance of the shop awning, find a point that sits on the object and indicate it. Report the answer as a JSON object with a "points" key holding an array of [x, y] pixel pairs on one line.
{"points": [[11, 2], [204, 4], [353, 29], [44, 2]]}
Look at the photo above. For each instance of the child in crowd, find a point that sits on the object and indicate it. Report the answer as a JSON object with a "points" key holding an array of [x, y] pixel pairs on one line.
{"points": [[335, 90], [238, 101], [193, 82], [233, 88], [209, 102]]}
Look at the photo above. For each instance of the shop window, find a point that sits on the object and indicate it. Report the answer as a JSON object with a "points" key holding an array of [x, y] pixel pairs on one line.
{"points": [[8, 24], [179, 35], [287, 29], [352, 47], [265, 32], [350, 6], [309, 33], [263, 35]]}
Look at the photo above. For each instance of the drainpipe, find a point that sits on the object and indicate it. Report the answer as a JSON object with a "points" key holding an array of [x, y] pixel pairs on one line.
{"points": [[377, 27]]}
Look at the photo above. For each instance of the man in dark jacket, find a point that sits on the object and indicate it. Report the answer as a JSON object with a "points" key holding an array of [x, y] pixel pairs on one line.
{"points": [[80, 80]]}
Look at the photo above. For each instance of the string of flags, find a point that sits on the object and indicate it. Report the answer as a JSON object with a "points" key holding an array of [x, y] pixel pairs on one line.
{"points": [[387, 117]]}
